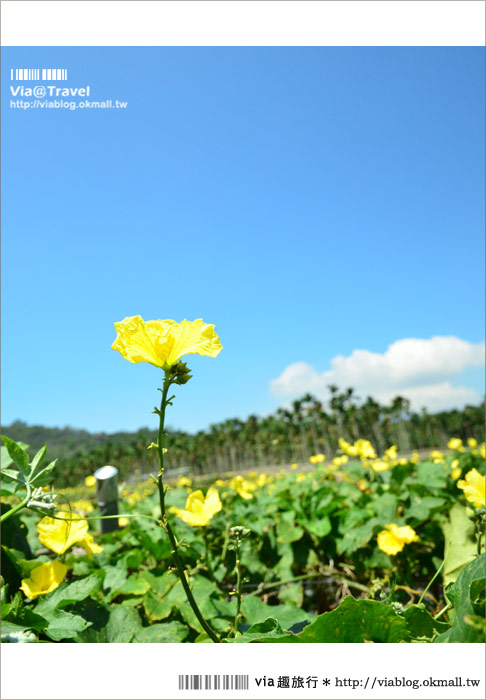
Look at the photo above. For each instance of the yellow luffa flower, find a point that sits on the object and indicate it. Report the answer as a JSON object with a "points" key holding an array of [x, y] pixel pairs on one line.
{"points": [[482, 450], [472, 442], [90, 481], [294, 465], [59, 535], [456, 473], [163, 343], [351, 450], [454, 444], [474, 488], [394, 538], [380, 465], [243, 487], [199, 510], [44, 579], [183, 481], [391, 452]]}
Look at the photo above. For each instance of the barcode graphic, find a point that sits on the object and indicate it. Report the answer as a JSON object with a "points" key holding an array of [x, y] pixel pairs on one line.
{"points": [[38, 74], [208, 682]]}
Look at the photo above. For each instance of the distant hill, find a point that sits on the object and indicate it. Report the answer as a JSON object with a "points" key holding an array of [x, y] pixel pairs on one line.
{"points": [[66, 442]]}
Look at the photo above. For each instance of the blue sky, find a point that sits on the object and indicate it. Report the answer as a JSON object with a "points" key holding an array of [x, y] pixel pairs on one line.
{"points": [[310, 202]]}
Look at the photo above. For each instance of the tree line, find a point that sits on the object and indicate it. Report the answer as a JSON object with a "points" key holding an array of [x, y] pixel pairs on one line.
{"points": [[290, 434]]}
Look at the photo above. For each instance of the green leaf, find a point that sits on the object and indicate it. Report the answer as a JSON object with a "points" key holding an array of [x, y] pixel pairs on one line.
{"points": [[421, 624], [352, 622], [156, 608], [260, 632], [17, 454], [460, 542], [463, 594], [115, 577], [287, 615], [44, 476], [320, 527], [287, 530], [420, 507], [385, 507], [12, 475], [37, 461], [357, 537], [431, 475], [24, 617], [123, 625], [133, 585], [68, 593], [167, 632], [64, 625]]}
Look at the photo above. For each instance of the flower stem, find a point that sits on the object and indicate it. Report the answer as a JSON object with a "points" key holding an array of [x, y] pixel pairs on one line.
{"points": [[238, 584], [165, 522], [18, 507], [430, 582]]}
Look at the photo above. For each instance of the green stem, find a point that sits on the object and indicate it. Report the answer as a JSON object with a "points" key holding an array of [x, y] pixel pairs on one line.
{"points": [[99, 517], [479, 530], [207, 558], [18, 507], [165, 522], [431, 582], [238, 584], [439, 614]]}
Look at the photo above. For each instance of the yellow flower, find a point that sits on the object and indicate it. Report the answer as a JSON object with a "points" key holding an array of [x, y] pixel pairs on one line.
{"points": [[456, 473], [59, 535], [380, 466], [436, 456], [183, 481], [294, 466], [472, 442], [44, 579], [454, 464], [220, 482], [351, 450], [317, 459], [89, 545], [474, 488], [365, 449], [123, 522], [361, 484], [252, 475], [243, 487], [394, 538], [312, 459], [391, 452], [262, 480], [482, 450], [415, 457], [403, 461], [90, 481], [163, 343], [299, 478], [199, 510], [454, 444], [338, 461]]}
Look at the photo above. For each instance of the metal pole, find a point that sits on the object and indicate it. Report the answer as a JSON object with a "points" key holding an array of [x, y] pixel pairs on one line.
{"points": [[107, 496]]}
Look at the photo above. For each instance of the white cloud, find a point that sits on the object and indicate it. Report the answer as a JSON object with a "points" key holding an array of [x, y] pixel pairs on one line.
{"points": [[421, 370]]}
